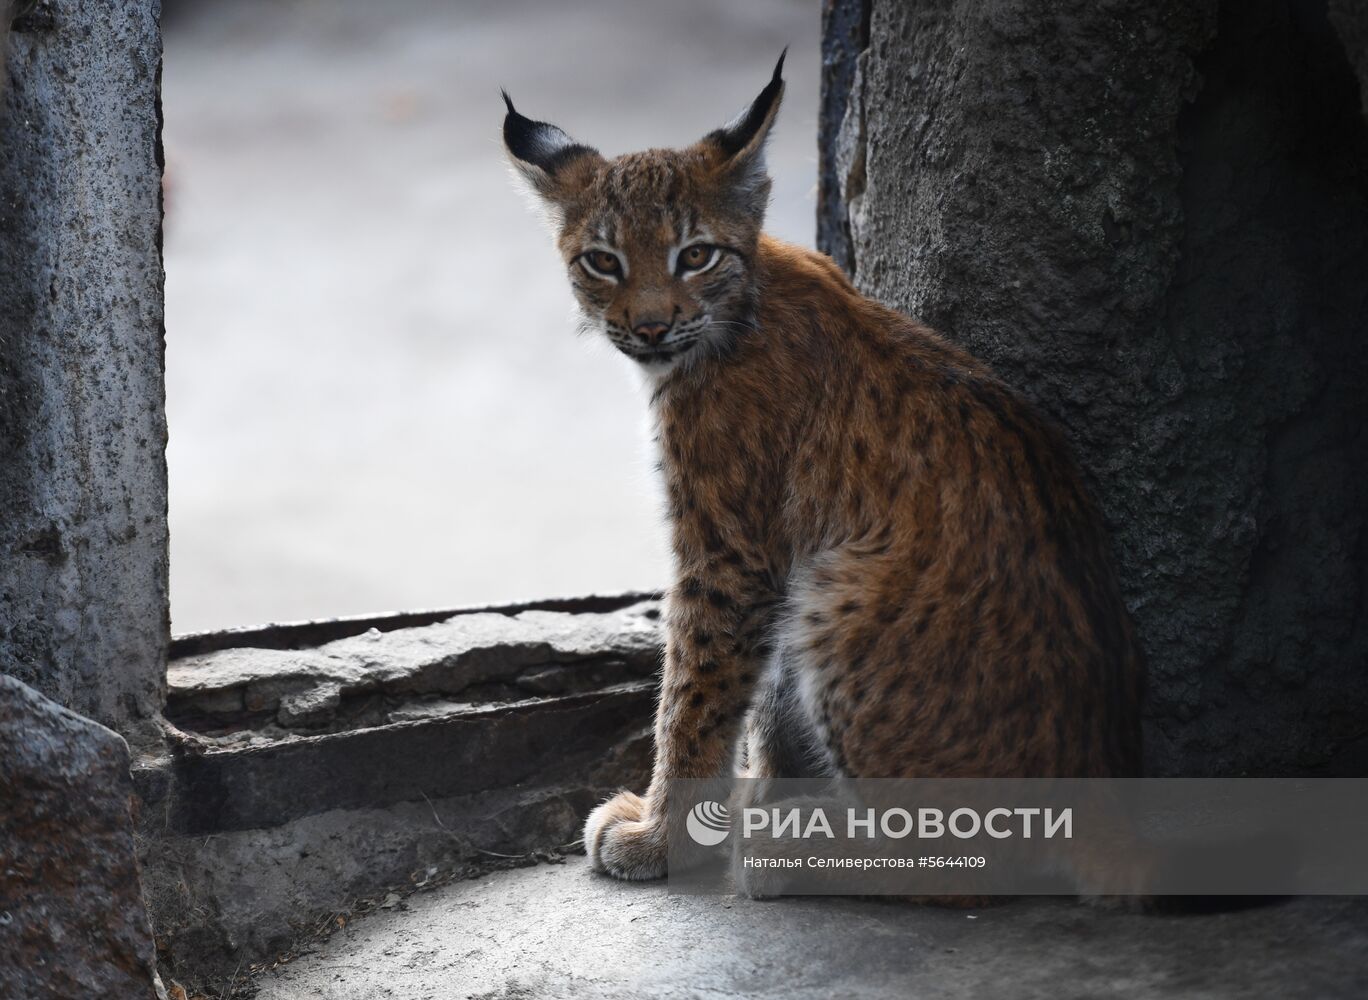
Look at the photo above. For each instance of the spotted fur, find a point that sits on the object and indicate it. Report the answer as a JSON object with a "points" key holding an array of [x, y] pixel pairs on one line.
{"points": [[887, 565]]}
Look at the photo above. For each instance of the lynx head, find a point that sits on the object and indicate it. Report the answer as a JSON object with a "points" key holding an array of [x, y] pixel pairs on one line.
{"points": [[660, 245]]}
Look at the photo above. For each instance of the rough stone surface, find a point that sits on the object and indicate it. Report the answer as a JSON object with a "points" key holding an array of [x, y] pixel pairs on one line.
{"points": [[518, 655], [1350, 20], [1153, 218], [72, 921], [560, 932], [234, 901], [469, 750], [322, 768], [83, 541], [845, 34], [248, 853]]}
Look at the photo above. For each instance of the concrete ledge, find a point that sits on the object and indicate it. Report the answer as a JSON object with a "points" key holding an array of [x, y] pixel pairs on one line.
{"points": [[431, 750], [379, 677], [455, 754], [301, 634], [562, 932]]}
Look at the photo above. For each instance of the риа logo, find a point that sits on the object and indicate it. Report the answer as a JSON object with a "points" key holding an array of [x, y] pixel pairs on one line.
{"points": [[708, 823]]}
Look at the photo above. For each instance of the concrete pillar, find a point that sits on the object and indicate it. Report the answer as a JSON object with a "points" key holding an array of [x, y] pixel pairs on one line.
{"points": [[83, 536]]}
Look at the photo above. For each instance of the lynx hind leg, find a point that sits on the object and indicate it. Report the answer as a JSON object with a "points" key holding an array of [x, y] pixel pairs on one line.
{"points": [[787, 738], [872, 644], [834, 651], [781, 741]]}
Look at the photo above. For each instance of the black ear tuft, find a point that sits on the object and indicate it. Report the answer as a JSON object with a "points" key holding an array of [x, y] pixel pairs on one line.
{"points": [[539, 144], [741, 131]]}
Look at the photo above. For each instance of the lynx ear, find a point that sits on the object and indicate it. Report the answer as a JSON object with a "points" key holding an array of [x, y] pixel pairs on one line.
{"points": [[554, 164], [740, 144]]}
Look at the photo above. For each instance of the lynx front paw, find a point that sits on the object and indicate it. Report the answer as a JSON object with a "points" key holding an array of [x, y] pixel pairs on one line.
{"points": [[624, 841]]}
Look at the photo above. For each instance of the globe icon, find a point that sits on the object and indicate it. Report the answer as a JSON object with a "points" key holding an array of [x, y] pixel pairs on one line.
{"points": [[708, 823]]}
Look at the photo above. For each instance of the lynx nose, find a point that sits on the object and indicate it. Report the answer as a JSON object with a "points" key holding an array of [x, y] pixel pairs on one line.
{"points": [[651, 332]]}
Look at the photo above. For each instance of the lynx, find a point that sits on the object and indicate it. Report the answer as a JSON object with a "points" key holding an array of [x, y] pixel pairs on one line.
{"points": [[887, 564]]}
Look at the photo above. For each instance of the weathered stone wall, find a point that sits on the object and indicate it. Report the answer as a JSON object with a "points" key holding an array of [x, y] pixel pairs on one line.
{"points": [[72, 920], [1153, 218], [83, 538], [1350, 20]]}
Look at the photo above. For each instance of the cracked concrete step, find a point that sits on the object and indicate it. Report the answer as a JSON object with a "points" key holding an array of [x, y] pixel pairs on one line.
{"points": [[561, 932], [527, 652]]}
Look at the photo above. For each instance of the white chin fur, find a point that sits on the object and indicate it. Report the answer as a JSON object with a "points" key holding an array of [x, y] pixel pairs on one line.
{"points": [[655, 372]]}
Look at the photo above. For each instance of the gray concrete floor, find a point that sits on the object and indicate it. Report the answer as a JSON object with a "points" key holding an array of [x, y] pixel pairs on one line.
{"points": [[375, 394], [559, 931]]}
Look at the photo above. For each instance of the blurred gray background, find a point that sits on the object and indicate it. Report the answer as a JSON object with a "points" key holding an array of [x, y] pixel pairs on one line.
{"points": [[376, 397]]}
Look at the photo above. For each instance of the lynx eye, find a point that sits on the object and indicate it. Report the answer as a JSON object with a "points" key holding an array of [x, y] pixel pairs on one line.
{"points": [[697, 257], [602, 263]]}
